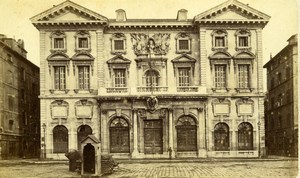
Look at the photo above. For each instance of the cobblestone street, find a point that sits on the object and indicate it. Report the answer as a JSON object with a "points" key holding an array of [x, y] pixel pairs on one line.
{"points": [[232, 169]]}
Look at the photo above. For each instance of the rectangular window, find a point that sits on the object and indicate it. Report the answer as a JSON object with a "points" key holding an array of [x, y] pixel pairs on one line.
{"points": [[22, 74], [60, 77], [10, 124], [120, 79], [11, 103], [219, 41], [183, 45], [118, 45], [83, 43], [220, 76], [184, 76], [84, 77], [243, 76], [58, 43], [243, 41]]}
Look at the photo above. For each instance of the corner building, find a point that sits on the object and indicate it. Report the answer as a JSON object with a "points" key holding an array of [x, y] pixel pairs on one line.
{"points": [[146, 87], [282, 101]]}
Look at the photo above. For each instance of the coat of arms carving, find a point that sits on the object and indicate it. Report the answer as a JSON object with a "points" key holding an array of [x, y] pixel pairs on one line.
{"points": [[144, 44]]}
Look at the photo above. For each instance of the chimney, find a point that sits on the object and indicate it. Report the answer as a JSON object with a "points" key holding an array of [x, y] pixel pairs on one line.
{"points": [[121, 15], [182, 15], [21, 43], [2, 36]]}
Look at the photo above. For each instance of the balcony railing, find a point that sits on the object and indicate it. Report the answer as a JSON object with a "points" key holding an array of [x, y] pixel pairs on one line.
{"points": [[154, 89], [187, 89], [117, 90]]}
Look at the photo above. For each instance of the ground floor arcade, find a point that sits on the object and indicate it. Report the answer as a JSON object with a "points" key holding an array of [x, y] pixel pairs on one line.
{"points": [[156, 127]]}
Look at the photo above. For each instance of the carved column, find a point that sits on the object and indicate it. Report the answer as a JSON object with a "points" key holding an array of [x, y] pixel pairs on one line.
{"points": [[171, 142], [201, 127], [135, 152]]}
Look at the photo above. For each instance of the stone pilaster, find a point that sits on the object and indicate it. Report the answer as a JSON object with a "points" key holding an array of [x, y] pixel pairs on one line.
{"points": [[203, 57], [135, 152], [104, 130], [100, 60], [171, 140], [43, 65], [259, 60], [201, 127]]}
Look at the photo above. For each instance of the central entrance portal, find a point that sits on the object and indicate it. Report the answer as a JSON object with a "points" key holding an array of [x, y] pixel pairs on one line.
{"points": [[153, 136]]}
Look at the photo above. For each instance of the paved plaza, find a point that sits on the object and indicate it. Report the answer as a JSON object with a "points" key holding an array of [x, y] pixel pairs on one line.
{"points": [[140, 169]]}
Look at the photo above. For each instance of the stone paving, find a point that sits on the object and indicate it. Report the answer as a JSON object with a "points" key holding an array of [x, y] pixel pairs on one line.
{"points": [[145, 169]]}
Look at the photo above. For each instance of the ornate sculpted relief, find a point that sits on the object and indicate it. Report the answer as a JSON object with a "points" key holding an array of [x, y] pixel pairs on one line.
{"points": [[144, 44]]}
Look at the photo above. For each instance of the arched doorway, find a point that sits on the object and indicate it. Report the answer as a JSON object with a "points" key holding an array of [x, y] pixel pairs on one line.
{"points": [[119, 135], [60, 139], [221, 137], [89, 159], [186, 134], [245, 136], [82, 132]]}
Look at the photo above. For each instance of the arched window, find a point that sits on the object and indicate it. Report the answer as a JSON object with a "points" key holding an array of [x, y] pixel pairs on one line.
{"points": [[119, 135], [245, 136], [151, 78], [186, 134], [60, 139], [221, 137], [82, 132]]}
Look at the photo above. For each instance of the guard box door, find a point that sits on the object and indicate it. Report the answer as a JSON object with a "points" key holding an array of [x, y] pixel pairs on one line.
{"points": [[89, 159], [153, 136]]}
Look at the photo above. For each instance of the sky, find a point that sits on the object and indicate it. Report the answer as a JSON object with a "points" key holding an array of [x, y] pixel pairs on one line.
{"points": [[15, 15]]}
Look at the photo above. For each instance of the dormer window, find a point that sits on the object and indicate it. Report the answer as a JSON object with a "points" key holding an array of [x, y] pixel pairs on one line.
{"points": [[82, 41], [118, 43], [183, 43], [243, 39], [219, 39], [58, 41]]}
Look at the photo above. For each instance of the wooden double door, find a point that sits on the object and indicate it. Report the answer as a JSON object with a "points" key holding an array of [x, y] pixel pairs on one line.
{"points": [[153, 136]]}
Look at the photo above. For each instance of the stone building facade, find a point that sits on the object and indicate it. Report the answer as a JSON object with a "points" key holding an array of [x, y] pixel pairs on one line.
{"points": [[282, 101], [148, 87], [19, 103]]}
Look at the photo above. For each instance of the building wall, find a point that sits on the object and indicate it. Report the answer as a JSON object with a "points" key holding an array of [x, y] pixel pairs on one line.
{"points": [[138, 121], [19, 134], [282, 109]]}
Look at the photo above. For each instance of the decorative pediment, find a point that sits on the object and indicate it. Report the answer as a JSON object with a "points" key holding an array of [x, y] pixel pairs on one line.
{"points": [[184, 58], [58, 56], [220, 55], [118, 60], [244, 55], [82, 56], [232, 10], [68, 12]]}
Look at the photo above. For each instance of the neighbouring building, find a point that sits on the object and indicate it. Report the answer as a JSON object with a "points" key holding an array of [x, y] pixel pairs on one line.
{"points": [[281, 118], [146, 87], [19, 102]]}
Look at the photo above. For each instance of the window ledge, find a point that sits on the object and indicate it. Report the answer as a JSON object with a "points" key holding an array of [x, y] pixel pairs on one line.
{"points": [[187, 89], [83, 90], [117, 90], [220, 90], [52, 91], [244, 90]]}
